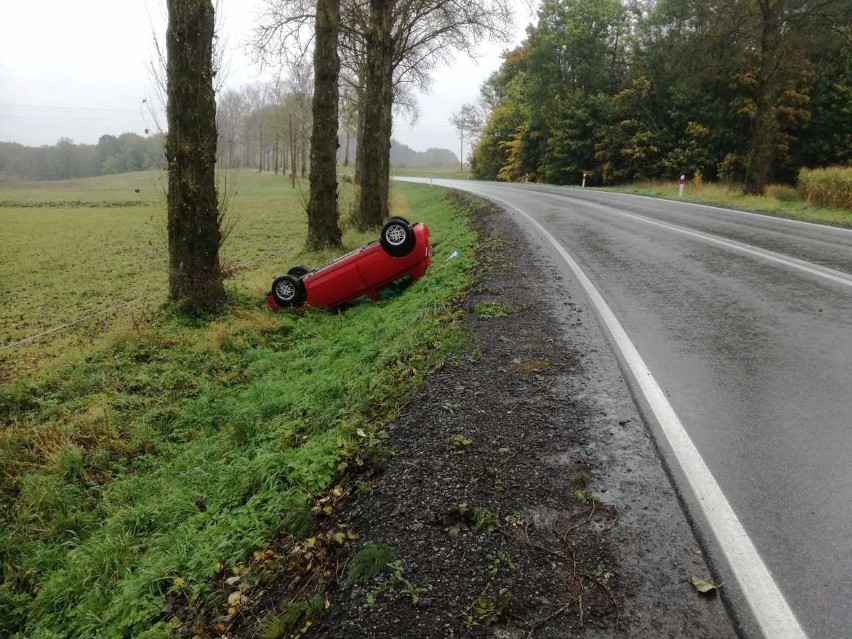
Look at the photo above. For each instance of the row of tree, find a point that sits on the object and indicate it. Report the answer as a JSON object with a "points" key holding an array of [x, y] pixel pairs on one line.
{"points": [[259, 127], [739, 90], [267, 126], [378, 48], [373, 52], [66, 160]]}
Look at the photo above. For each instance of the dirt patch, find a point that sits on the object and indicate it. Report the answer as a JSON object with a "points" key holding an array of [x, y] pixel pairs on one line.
{"points": [[524, 498]]}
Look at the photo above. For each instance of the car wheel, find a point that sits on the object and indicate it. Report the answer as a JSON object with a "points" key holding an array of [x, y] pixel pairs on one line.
{"points": [[288, 291], [298, 271], [397, 238], [400, 218]]}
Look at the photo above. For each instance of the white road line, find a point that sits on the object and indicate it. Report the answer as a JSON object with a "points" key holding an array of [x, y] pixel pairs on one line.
{"points": [[555, 190], [762, 216], [773, 615], [764, 254]]}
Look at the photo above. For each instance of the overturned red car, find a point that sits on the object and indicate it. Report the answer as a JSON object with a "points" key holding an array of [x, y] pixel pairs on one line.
{"points": [[399, 257]]}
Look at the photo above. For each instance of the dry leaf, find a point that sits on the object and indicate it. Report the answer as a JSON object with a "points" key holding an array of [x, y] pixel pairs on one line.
{"points": [[704, 586]]}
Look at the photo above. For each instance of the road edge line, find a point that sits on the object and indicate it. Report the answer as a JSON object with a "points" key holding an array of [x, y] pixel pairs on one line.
{"points": [[771, 611]]}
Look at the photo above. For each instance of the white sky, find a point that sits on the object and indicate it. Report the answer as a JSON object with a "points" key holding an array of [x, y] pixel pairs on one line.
{"points": [[79, 69]]}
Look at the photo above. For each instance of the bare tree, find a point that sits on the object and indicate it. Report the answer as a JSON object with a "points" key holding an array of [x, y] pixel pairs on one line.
{"points": [[194, 220], [406, 39], [387, 46], [323, 227], [468, 121], [228, 123], [348, 119], [374, 152]]}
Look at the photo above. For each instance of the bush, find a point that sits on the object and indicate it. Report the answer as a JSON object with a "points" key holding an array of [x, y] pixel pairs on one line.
{"points": [[831, 186]]}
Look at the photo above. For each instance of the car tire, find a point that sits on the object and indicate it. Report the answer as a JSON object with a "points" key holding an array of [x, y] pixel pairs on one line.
{"points": [[298, 271], [288, 291], [400, 218], [397, 237]]}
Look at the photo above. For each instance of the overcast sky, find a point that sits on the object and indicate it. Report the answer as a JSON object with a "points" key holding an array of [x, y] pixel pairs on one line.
{"points": [[80, 69]]}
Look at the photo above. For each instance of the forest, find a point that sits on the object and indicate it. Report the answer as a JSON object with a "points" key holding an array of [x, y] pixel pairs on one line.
{"points": [[741, 91], [66, 160]]}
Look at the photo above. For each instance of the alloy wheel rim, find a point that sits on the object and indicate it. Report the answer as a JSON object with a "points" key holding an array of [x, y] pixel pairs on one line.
{"points": [[286, 290], [395, 235]]}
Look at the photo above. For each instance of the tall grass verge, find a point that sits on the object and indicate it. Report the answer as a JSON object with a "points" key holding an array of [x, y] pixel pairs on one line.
{"points": [[145, 466], [831, 186], [779, 200]]}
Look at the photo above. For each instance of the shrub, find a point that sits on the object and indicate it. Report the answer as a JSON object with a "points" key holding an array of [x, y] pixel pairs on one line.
{"points": [[831, 186]]}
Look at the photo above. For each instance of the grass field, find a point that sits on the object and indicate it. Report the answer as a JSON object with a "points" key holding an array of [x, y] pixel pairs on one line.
{"points": [[143, 465], [779, 200], [76, 248], [447, 172]]}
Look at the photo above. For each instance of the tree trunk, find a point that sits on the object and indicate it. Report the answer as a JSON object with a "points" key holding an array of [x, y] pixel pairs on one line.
{"points": [[765, 128], [359, 138], [323, 228], [292, 153], [195, 276], [761, 152], [348, 140], [375, 169], [275, 152]]}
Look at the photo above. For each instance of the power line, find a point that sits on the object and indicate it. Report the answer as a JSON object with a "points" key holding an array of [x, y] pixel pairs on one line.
{"points": [[62, 109]]}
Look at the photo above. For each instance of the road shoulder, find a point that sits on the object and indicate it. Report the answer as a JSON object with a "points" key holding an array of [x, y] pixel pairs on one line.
{"points": [[525, 497]]}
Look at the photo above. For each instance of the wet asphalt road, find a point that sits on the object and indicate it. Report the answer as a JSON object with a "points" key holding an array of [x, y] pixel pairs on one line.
{"points": [[754, 355]]}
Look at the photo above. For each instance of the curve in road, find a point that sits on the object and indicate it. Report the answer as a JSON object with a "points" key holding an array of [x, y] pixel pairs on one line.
{"points": [[741, 332]]}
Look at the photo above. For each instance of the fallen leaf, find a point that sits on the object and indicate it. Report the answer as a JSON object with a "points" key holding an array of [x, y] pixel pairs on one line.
{"points": [[360, 432], [704, 586], [232, 580]]}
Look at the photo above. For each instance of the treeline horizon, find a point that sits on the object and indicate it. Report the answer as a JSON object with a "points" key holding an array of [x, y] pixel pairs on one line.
{"points": [[743, 91], [66, 160], [131, 152]]}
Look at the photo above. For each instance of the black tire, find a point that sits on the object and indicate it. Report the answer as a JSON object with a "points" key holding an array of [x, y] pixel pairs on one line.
{"points": [[298, 271], [400, 218], [288, 291], [397, 238]]}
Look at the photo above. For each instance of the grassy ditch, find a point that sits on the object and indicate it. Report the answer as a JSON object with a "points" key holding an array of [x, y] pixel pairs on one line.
{"points": [[783, 201], [141, 469]]}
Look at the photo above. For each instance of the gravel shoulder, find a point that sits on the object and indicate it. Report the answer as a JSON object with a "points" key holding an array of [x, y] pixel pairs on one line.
{"points": [[525, 497]]}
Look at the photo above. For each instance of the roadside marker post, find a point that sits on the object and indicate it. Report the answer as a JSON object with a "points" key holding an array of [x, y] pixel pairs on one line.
{"points": [[681, 182], [584, 180]]}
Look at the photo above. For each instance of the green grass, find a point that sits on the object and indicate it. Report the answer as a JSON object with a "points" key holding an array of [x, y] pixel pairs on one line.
{"points": [[145, 464], [829, 186], [447, 172], [779, 200], [85, 255]]}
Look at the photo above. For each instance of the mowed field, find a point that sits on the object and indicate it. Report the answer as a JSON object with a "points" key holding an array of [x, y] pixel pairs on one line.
{"points": [[85, 248]]}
